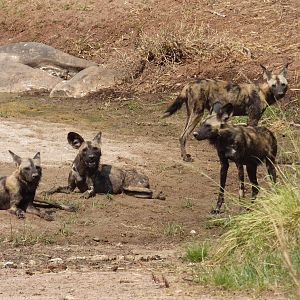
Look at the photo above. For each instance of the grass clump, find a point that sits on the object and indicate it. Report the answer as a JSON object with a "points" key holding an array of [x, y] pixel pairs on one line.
{"points": [[261, 248], [196, 252], [173, 229]]}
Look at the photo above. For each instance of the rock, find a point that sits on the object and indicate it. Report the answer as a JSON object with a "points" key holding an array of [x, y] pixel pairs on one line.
{"points": [[32, 262], [99, 258], [76, 258], [38, 55], [56, 261], [10, 264], [17, 78], [91, 79]]}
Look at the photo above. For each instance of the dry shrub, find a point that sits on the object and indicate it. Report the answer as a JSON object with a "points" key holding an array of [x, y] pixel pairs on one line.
{"points": [[181, 43]]}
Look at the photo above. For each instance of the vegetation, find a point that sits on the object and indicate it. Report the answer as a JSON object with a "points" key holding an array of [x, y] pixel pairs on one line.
{"points": [[260, 249], [196, 252]]}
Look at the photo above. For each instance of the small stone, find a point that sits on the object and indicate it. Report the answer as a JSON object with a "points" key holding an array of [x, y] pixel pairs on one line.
{"points": [[96, 239], [32, 262], [193, 232], [56, 261], [73, 258], [29, 272], [99, 258], [10, 264]]}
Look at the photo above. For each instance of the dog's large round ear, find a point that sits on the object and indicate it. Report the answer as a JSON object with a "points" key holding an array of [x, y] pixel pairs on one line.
{"points": [[266, 73], [17, 159], [284, 70], [37, 157], [215, 107], [75, 139], [97, 137], [225, 112]]}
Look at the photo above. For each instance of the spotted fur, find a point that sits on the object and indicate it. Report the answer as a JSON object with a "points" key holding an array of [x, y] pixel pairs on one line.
{"points": [[17, 191], [91, 177], [244, 145], [246, 98]]}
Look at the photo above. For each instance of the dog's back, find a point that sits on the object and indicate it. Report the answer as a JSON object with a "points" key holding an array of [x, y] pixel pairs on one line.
{"points": [[4, 195]]}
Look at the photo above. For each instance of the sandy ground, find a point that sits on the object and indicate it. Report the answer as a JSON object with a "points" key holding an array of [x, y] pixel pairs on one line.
{"points": [[103, 252]]}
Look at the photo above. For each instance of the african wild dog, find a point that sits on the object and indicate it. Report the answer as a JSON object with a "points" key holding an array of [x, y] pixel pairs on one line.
{"points": [[91, 177], [17, 191], [247, 99], [245, 145]]}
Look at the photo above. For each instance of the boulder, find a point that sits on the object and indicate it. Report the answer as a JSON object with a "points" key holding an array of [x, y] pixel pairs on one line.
{"points": [[89, 80], [38, 55], [16, 78]]}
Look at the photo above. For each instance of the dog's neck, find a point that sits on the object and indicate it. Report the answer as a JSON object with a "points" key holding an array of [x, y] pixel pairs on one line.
{"points": [[83, 169], [269, 96], [27, 185]]}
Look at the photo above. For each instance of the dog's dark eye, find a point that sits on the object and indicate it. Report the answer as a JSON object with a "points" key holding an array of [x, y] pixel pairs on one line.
{"points": [[84, 150], [26, 169], [38, 167], [95, 149], [283, 84], [273, 85]]}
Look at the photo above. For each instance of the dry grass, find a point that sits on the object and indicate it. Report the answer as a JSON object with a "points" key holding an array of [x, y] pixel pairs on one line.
{"points": [[182, 43]]}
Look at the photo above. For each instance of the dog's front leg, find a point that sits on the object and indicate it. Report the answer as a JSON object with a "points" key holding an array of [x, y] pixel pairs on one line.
{"points": [[90, 192], [15, 205], [31, 209]]}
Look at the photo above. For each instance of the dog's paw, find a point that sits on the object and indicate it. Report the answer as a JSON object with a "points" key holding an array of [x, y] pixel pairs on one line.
{"points": [[86, 195], [188, 158], [215, 211], [20, 213]]}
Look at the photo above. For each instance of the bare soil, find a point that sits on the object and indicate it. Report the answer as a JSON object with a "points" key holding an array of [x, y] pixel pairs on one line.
{"points": [[119, 247], [115, 245]]}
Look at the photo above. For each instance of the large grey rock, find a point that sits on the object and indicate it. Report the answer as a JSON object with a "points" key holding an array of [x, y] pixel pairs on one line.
{"points": [[89, 80], [16, 77], [39, 55], [30, 66]]}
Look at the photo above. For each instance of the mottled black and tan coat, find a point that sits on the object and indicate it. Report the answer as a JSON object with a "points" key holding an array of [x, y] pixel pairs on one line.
{"points": [[17, 191], [247, 99], [244, 145], [91, 177]]}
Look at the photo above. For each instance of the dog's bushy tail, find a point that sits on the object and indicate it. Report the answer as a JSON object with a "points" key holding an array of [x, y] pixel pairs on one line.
{"points": [[176, 105]]}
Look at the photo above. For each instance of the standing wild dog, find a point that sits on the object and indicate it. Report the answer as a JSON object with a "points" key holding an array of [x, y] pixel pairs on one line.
{"points": [[245, 145], [90, 177], [247, 99]]}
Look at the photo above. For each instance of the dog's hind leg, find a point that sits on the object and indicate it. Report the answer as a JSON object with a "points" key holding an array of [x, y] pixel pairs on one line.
{"points": [[192, 121], [31, 209], [59, 189], [143, 192], [251, 170], [46, 204]]}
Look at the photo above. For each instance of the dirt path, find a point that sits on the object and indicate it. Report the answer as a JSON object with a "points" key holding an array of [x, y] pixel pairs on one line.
{"points": [[113, 248]]}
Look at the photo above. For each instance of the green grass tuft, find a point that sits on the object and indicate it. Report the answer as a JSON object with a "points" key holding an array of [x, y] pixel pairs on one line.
{"points": [[196, 252]]}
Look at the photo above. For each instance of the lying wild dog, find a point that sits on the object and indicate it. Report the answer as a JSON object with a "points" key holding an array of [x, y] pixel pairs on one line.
{"points": [[90, 177], [17, 191], [245, 145], [247, 99]]}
